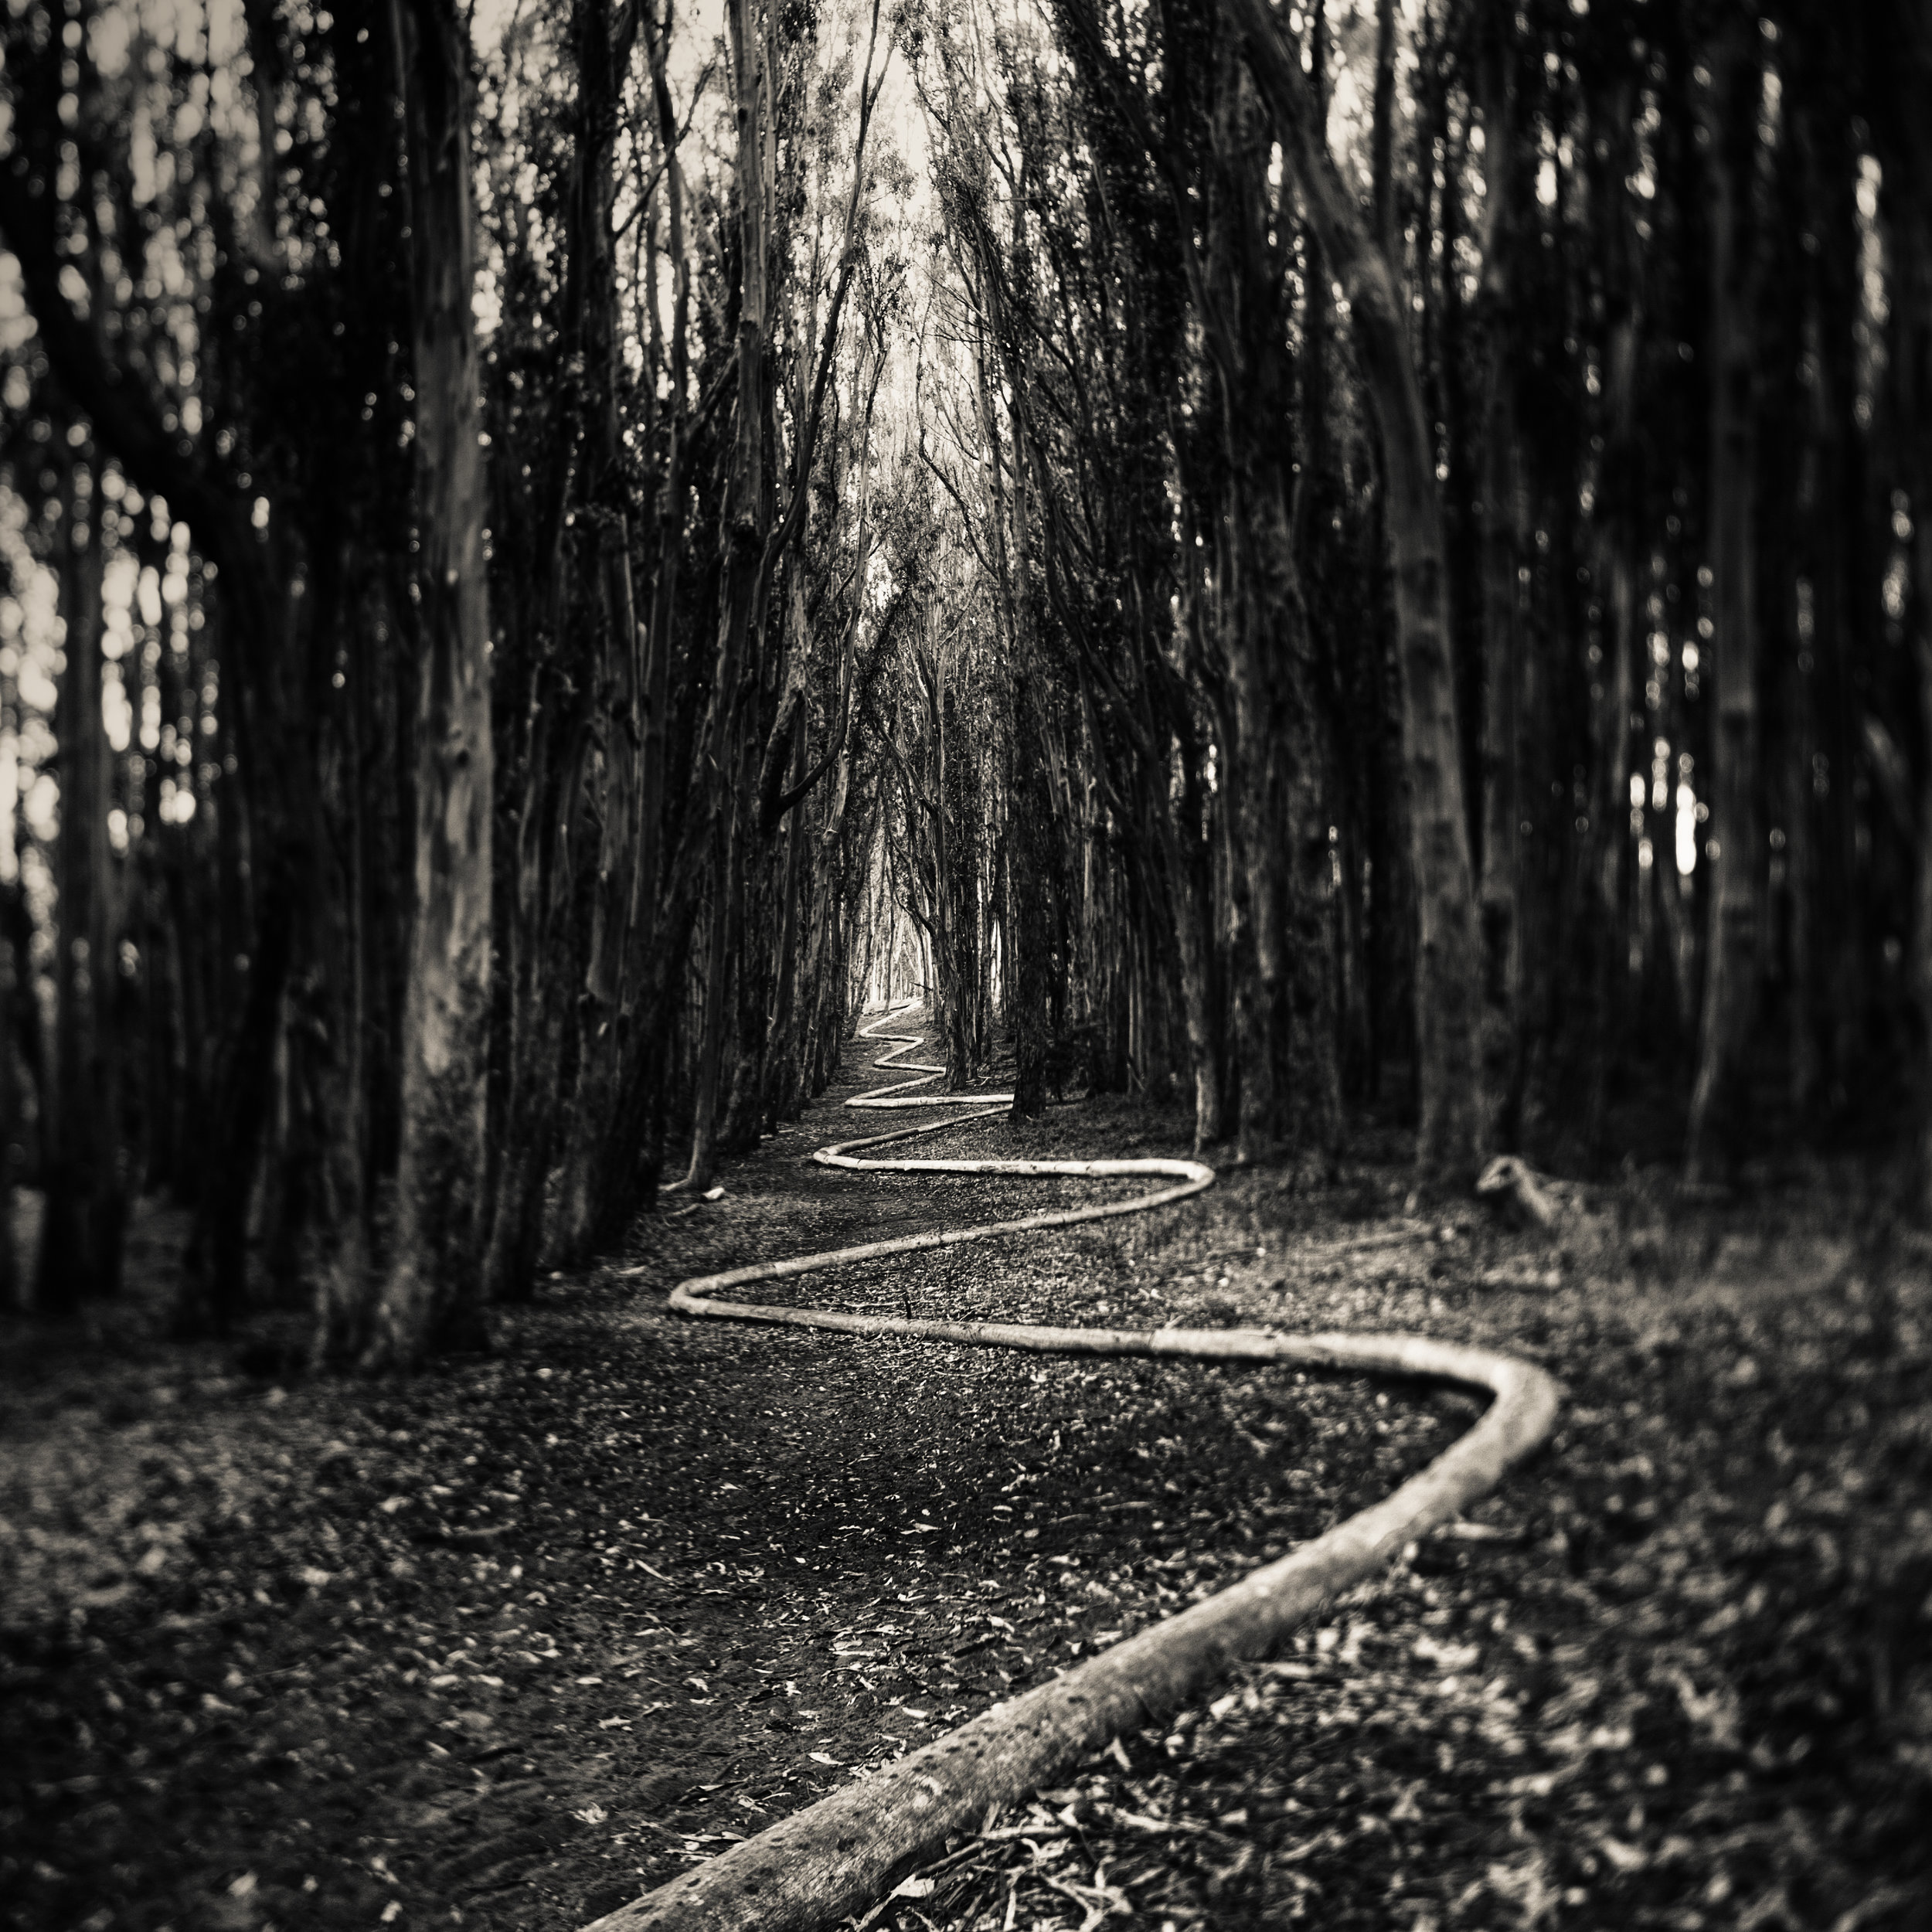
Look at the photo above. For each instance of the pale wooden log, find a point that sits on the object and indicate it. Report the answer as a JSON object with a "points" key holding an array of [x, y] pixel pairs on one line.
{"points": [[923, 1071], [836, 1857]]}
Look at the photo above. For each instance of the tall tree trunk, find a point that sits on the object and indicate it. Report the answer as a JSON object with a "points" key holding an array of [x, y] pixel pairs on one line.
{"points": [[1922, 644], [1732, 838], [606, 1011], [786, 1021], [1617, 525], [328, 1042], [1190, 892], [1503, 643], [1451, 1139], [717, 972], [1912, 227], [12, 1286], [1030, 835], [432, 1296], [1382, 136], [86, 1209], [742, 528], [612, 976], [664, 917], [538, 962]]}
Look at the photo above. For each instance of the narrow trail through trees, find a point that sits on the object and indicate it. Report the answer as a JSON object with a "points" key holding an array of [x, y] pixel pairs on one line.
{"points": [[837, 1856]]}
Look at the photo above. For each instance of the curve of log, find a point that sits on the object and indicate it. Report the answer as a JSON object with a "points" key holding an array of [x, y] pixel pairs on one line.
{"points": [[837, 1857]]}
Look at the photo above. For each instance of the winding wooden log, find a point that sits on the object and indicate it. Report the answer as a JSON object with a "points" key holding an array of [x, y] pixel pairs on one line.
{"points": [[835, 1858]]}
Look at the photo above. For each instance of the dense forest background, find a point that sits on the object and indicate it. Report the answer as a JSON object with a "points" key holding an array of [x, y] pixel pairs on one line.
{"points": [[1304, 562]]}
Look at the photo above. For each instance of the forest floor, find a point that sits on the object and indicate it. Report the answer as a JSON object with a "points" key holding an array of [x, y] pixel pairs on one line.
{"points": [[506, 1644]]}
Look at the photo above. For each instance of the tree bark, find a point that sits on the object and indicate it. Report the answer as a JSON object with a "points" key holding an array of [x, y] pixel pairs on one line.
{"points": [[1382, 137], [432, 1297], [86, 1209], [745, 522], [1617, 520], [607, 1012], [1733, 837], [1912, 223], [1451, 1139], [1030, 927], [1502, 964]]}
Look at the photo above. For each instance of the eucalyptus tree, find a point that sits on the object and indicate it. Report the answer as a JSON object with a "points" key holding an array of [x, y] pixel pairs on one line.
{"points": [[173, 264], [1513, 317], [432, 1293], [1450, 1138], [1139, 499], [1335, 541], [793, 285]]}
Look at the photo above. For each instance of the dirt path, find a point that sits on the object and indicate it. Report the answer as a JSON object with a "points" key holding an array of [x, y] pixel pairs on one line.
{"points": [[523, 1637], [850, 1851], [506, 1645]]}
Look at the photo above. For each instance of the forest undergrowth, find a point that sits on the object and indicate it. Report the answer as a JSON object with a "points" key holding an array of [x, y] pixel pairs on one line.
{"points": [[507, 1643]]}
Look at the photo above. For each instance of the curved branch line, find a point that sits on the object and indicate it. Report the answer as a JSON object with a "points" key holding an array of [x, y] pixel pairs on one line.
{"points": [[923, 1072], [837, 1856]]}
